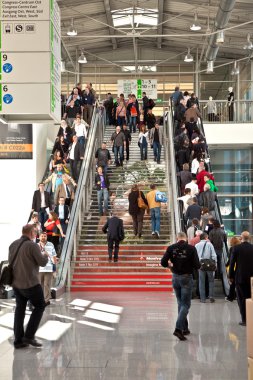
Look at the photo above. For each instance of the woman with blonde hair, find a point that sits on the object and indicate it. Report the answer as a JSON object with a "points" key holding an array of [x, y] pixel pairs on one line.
{"points": [[233, 242]]}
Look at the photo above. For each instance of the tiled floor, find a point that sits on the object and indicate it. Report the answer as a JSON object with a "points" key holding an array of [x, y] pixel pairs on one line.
{"points": [[133, 341]]}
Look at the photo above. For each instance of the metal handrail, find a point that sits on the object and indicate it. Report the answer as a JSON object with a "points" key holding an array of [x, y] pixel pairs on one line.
{"points": [[171, 175], [81, 201], [218, 216]]}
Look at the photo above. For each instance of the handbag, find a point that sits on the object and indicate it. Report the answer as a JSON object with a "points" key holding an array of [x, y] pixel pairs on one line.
{"points": [[161, 197], [141, 203], [207, 265], [6, 276]]}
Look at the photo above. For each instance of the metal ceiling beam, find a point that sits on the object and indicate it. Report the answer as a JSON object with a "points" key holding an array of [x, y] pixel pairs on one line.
{"points": [[221, 20], [160, 25], [110, 22]]}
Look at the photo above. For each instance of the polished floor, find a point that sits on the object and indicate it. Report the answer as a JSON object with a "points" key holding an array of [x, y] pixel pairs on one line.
{"points": [[119, 336]]}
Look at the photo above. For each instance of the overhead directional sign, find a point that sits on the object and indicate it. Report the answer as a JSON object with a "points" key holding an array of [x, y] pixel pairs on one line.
{"points": [[137, 86]]}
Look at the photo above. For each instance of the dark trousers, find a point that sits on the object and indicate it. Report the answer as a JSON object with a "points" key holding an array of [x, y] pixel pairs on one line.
{"points": [[74, 169], [243, 292], [43, 217], [113, 244], [87, 113], [138, 222], [35, 295], [144, 151], [127, 152], [231, 294]]}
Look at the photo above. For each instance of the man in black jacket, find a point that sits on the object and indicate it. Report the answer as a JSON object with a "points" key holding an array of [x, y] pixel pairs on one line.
{"points": [[76, 153], [128, 140], [115, 234], [103, 157], [62, 211], [150, 119], [102, 185], [145, 105], [182, 259], [241, 270], [41, 202]]}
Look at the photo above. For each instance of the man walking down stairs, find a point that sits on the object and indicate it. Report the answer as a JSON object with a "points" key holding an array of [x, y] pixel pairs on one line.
{"points": [[139, 266]]}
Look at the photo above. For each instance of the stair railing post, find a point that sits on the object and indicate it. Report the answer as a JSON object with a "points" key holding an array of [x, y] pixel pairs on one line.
{"points": [[69, 275], [75, 245]]}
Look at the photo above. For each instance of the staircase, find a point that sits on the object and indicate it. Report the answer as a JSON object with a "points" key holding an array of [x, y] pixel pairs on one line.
{"points": [[138, 268]]}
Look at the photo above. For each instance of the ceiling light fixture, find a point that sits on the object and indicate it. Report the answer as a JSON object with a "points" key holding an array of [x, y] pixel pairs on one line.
{"points": [[235, 70], [249, 44], [82, 58], [220, 37], [63, 66], [72, 31], [188, 57], [209, 68], [195, 26]]}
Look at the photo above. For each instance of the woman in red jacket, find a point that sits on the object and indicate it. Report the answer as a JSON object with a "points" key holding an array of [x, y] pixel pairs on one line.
{"points": [[53, 229]]}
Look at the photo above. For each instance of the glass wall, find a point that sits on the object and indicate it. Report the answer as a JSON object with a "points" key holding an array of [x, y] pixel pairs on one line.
{"points": [[233, 172]]}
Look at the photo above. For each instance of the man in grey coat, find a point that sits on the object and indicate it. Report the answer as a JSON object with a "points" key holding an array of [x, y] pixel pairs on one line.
{"points": [[26, 285]]}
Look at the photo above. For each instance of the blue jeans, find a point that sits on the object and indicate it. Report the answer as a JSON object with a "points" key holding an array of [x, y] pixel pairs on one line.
{"points": [[118, 151], [182, 285], [121, 121], [157, 147], [144, 151], [102, 194], [155, 214], [43, 217], [81, 140], [202, 284], [132, 124]]}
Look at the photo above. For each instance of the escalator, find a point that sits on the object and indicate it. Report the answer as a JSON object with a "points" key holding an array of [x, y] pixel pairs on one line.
{"points": [[179, 224], [81, 202]]}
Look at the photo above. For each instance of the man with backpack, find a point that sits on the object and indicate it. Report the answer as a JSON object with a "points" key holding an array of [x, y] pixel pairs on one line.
{"points": [[182, 259], [155, 210]]}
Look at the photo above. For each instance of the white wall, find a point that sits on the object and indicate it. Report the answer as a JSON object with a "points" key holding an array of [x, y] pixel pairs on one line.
{"points": [[19, 179], [229, 133]]}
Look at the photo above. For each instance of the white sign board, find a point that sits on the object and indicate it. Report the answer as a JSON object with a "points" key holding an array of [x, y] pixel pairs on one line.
{"points": [[137, 86], [31, 10], [30, 54]]}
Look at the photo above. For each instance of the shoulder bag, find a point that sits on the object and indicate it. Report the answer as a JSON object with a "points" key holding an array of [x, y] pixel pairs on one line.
{"points": [[141, 203], [6, 277], [207, 264]]}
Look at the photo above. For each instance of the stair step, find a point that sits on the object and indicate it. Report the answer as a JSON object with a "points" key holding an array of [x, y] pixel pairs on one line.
{"points": [[116, 276], [138, 268]]}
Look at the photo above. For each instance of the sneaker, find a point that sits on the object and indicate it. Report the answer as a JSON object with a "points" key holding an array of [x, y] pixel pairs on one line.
{"points": [[32, 342], [115, 260], [242, 323], [186, 332], [229, 299], [178, 333], [157, 234], [211, 300], [153, 232]]}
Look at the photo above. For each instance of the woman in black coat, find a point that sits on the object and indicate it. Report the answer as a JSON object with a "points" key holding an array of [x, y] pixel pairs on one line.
{"points": [[135, 211]]}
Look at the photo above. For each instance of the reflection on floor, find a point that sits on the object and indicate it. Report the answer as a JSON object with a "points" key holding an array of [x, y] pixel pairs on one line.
{"points": [[122, 336]]}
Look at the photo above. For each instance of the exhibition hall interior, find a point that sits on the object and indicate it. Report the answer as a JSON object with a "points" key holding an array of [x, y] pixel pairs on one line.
{"points": [[126, 150]]}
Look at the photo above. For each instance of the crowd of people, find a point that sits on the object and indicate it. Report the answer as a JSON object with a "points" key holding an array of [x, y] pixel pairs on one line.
{"points": [[198, 253]]}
